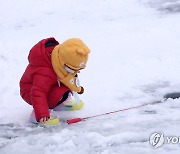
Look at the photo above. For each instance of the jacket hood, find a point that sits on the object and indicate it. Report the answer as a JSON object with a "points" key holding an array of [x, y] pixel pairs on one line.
{"points": [[39, 56]]}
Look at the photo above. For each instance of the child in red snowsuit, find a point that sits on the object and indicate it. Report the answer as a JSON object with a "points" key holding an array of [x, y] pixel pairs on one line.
{"points": [[51, 75]]}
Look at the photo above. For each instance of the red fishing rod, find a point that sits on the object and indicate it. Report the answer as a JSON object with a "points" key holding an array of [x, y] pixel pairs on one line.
{"points": [[75, 120], [167, 96]]}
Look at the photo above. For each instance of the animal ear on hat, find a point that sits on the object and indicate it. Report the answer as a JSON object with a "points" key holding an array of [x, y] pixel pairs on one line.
{"points": [[82, 52]]}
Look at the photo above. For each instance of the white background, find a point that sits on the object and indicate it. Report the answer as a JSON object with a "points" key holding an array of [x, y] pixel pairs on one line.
{"points": [[135, 58]]}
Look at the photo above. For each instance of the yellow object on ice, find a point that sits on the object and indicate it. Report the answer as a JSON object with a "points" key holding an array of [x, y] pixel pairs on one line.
{"points": [[52, 121]]}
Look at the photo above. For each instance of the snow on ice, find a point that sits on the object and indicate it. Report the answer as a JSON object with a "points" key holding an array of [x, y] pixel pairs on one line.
{"points": [[134, 60]]}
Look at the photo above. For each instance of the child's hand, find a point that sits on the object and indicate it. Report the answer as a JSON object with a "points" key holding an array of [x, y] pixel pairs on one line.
{"points": [[43, 120]]}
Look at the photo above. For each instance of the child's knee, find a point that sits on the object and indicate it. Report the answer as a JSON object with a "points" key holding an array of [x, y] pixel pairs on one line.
{"points": [[55, 95]]}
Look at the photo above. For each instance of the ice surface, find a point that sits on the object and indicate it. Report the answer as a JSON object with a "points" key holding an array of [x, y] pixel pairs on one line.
{"points": [[134, 60]]}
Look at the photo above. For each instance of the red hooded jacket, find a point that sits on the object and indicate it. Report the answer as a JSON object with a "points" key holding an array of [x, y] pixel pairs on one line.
{"points": [[38, 85]]}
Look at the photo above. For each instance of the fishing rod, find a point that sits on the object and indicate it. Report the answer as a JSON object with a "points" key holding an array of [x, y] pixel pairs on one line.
{"points": [[173, 95]]}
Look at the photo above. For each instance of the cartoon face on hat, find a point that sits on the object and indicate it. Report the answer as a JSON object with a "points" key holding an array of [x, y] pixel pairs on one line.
{"points": [[73, 54]]}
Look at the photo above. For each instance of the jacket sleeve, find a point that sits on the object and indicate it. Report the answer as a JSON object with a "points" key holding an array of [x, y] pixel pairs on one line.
{"points": [[38, 94]]}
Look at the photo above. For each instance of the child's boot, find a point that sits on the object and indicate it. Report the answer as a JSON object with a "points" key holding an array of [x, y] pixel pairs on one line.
{"points": [[70, 104]]}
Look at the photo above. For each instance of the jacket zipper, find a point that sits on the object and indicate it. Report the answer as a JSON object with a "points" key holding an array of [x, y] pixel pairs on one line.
{"points": [[59, 84]]}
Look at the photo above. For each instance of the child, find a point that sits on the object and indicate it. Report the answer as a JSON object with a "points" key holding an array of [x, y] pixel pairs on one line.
{"points": [[50, 79]]}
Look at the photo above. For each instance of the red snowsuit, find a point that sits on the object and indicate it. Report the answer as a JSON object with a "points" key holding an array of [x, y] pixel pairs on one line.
{"points": [[38, 85]]}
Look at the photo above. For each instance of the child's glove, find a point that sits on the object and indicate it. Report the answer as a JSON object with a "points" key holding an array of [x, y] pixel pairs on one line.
{"points": [[82, 90]]}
